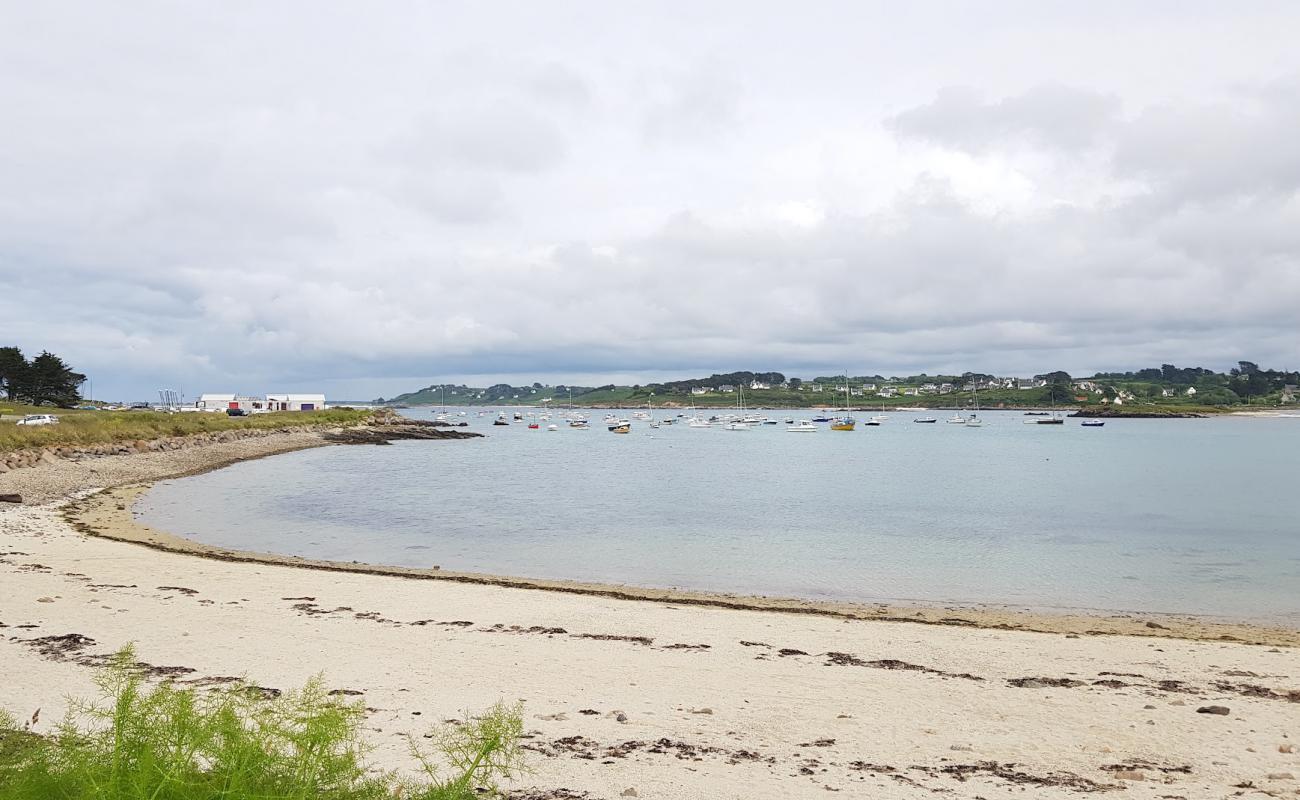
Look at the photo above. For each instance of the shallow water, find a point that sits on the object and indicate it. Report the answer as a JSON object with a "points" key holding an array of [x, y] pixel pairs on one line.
{"points": [[1195, 516]]}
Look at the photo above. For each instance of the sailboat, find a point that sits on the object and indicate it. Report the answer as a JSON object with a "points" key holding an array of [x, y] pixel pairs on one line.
{"points": [[739, 424], [974, 421], [1054, 419], [442, 416], [846, 422]]}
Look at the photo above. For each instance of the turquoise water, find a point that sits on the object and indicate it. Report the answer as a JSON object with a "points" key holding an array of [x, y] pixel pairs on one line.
{"points": [[1195, 516]]}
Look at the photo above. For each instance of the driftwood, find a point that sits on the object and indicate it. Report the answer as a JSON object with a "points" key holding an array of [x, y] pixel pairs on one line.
{"points": [[11, 498]]}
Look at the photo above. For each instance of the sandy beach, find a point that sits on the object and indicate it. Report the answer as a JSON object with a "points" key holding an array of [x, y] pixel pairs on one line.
{"points": [[637, 693]]}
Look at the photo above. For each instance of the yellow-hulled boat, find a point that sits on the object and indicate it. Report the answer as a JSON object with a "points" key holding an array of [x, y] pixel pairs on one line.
{"points": [[843, 424], [621, 429]]}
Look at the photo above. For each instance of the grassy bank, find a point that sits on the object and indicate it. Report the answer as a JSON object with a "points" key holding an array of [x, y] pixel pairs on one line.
{"points": [[80, 428], [235, 743]]}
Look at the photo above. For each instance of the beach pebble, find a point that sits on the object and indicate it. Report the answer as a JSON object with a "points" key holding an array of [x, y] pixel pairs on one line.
{"points": [[1221, 711], [1280, 776], [1286, 748], [629, 792], [1130, 775], [621, 717], [45, 599]]}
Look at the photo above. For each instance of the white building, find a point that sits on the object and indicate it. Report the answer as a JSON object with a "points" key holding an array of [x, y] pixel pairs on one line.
{"points": [[271, 402], [756, 385]]}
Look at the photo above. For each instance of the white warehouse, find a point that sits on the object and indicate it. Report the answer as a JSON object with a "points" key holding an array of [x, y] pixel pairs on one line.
{"points": [[272, 402]]}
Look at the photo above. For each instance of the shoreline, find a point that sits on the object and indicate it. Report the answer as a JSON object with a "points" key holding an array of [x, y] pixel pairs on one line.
{"points": [[657, 696], [109, 514], [107, 511]]}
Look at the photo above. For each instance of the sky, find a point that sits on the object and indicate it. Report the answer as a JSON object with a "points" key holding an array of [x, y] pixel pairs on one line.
{"points": [[364, 199]]}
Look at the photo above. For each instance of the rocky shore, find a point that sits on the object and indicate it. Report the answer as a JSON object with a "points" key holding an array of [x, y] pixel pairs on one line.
{"points": [[43, 475]]}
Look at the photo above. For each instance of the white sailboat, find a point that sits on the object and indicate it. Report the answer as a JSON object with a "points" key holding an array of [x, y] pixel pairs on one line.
{"points": [[974, 421], [740, 423]]}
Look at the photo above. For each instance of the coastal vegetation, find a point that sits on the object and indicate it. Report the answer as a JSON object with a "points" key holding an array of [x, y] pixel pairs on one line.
{"points": [[87, 427], [45, 380], [1181, 389], [238, 742]]}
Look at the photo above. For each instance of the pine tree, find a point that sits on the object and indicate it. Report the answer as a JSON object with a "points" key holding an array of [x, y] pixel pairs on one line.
{"points": [[50, 381], [13, 370]]}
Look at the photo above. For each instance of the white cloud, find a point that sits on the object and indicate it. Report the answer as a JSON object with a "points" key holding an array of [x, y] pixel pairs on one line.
{"points": [[230, 196]]}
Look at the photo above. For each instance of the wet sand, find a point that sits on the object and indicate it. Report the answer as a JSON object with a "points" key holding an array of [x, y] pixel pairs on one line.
{"points": [[666, 695]]}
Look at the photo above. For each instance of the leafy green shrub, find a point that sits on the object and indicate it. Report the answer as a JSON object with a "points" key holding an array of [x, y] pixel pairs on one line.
{"points": [[166, 743]]}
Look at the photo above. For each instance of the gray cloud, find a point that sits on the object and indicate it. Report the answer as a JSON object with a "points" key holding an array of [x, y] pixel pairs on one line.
{"points": [[223, 199]]}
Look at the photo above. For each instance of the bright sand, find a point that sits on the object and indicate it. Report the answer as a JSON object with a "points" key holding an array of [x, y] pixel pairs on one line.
{"points": [[669, 696]]}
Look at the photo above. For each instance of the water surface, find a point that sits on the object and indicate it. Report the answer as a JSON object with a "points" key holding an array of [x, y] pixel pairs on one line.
{"points": [[1196, 516]]}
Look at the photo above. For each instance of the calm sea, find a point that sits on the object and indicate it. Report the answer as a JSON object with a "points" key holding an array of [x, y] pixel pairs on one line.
{"points": [[1197, 516]]}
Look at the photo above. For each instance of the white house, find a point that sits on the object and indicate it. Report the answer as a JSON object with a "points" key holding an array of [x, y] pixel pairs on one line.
{"points": [[271, 402], [295, 402], [726, 387], [759, 385], [1191, 391], [699, 390]]}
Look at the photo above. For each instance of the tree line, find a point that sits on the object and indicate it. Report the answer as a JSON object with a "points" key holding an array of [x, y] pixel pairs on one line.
{"points": [[44, 380]]}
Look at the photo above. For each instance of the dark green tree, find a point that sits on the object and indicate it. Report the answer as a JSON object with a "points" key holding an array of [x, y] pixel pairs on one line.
{"points": [[49, 381], [1059, 392], [13, 371]]}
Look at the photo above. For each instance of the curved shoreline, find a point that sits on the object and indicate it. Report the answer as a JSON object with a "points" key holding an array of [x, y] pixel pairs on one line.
{"points": [[108, 514]]}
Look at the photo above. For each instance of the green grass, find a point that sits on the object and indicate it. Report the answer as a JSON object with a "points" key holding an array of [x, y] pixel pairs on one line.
{"points": [[142, 742], [80, 428]]}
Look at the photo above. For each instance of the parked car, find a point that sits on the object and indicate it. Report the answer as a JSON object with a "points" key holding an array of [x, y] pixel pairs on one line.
{"points": [[238, 412], [39, 419]]}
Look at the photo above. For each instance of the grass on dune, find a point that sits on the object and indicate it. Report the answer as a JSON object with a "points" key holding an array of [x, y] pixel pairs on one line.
{"points": [[80, 428], [161, 742]]}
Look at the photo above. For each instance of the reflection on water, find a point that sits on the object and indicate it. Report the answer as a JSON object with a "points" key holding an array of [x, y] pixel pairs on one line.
{"points": [[1148, 515]]}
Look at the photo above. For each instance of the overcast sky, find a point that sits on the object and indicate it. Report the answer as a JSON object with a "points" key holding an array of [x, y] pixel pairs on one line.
{"points": [[368, 198]]}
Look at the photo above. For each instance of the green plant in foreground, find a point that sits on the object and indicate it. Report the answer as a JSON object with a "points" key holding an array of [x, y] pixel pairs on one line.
{"points": [[161, 742]]}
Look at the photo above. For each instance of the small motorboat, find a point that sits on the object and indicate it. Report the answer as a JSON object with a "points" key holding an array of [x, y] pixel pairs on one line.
{"points": [[624, 428], [532, 426], [802, 426], [821, 419], [500, 421], [738, 425], [926, 420], [552, 427], [1092, 423], [580, 424], [956, 419], [844, 424]]}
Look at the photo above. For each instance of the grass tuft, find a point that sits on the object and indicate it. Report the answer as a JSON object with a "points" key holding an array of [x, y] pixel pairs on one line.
{"points": [[142, 742]]}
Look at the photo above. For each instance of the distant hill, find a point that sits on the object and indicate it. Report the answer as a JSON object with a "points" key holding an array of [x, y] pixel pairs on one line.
{"points": [[1167, 385]]}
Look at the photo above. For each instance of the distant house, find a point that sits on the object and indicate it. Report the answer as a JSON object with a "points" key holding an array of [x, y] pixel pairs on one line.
{"points": [[1288, 393], [889, 391], [1029, 383], [699, 390], [726, 387], [1167, 392], [1087, 386], [816, 387], [1191, 391], [911, 392], [946, 388], [755, 385], [295, 402], [868, 387], [271, 402]]}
